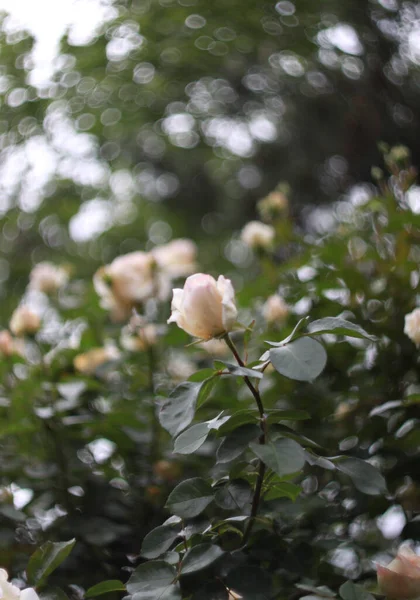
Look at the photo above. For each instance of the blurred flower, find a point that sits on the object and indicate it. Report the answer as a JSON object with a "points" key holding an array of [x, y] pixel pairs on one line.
{"points": [[89, 361], [139, 335], [412, 326], [400, 579], [233, 595], [204, 308], [127, 281], [167, 470], [179, 367], [9, 345], [272, 206], [258, 235], [8, 591], [215, 347], [47, 277], [177, 258], [24, 321], [275, 309]]}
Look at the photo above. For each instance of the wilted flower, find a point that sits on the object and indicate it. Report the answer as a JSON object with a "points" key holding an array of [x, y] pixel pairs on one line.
{"points": [[127, 281], [273, 205], [89, 361], [400, 579], [204, 308], [177, 258], [258, 235], [412, 326], [8, 591], [139, 335], [47, 277], [24, 321], [275, 309]]}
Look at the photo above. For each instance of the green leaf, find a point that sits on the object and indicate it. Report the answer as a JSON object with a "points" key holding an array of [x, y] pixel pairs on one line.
{"points": [[338, 326], [301, 324], [112, 585], [303, 360], [154, 581], [191, 439], [190, 498], [365, 477], [178, 410], [205, 390], [53, 593], [241, 417], [242, 371], [285, 489], [275, 415], [282, 456], [46, 559], [235, 495], [236, 442], [351, 591], [159, 540], [200, 557]]}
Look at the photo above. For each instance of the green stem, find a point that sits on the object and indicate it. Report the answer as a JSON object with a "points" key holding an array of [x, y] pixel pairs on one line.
{"points": [[261, 466], [154, 444]]}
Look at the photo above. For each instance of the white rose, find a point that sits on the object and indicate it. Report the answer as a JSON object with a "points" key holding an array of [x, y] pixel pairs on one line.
{"points": [[127, 281], [47, 277], [275, 309], [258, 235], [204, 308], [400, 579], [177, 258], [24, 321], [8, 591], [88, 362], [412, 326]]}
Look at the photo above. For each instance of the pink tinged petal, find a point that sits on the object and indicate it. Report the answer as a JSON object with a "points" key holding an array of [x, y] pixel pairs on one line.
{"points": [[29, 594], [176, 305], [203, 306], [229, 310], [397, 585]]}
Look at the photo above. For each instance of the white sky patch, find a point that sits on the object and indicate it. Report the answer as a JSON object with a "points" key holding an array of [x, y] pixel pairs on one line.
{"points": [[48, 21]]}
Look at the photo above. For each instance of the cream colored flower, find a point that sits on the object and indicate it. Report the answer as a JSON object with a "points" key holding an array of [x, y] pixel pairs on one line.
{"points": [[24, 321], [8, 591], [257, 235], [177, 258], [412, 326], [47, 277], [273, 205], [10, 346], [275, 309], [204, 308], [139, 335], [88, 362], [400, 580], [127, 281]]}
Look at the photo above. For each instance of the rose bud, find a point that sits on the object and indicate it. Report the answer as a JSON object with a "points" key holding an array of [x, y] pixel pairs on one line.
{"points": [[400, 579], [275, 309], [8, 591], [177, 258], [7, 345], [205, 308], [257, 235], [24, 321], [127, 281], [412, 326], [47, 277]]}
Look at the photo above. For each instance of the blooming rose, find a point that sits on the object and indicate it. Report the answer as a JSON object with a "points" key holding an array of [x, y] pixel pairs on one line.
{"points": [[412, 326], [8, 591], [24, 321], [127, 281], [205, 308], [177, 258], [258, 235], [401, 578], [275, 309], [47, 277], [89, 361]]}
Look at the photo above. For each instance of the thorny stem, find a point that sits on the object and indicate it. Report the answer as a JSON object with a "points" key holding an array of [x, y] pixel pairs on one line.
{"points": [[261, 465]]}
